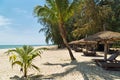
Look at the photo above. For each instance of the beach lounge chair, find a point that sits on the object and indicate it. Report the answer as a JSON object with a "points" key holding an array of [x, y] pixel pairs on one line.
{"points": [[111, 63], [89, 53], [112, 58], [78, 49]]}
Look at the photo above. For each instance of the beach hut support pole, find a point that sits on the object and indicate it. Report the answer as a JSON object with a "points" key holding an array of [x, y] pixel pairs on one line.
{"points": [[86, 47], [105, 50]]}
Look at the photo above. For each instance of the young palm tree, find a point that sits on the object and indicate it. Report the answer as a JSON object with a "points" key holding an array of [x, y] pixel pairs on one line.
{"points": [[24, 57], [57, 12]]}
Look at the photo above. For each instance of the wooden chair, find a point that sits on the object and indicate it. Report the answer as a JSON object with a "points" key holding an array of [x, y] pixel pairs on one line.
{"points": [[89, 53], [111, 63]]}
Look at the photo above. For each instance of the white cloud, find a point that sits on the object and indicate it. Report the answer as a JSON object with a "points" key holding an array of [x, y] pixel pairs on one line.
{"points": [[4, 21]]}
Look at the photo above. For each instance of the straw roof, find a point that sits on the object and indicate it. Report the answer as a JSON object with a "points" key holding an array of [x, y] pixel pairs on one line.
{"points": [[86, 41], [104, 35], [73, 42], [82, 41]]}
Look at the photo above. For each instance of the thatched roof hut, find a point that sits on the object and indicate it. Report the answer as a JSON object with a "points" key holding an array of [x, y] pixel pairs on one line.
{"points": [[104, 36], [83, 41], [74, 42]]}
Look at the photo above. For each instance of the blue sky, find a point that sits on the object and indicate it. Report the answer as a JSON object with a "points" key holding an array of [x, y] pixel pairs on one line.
{"points": [[18, 24]]}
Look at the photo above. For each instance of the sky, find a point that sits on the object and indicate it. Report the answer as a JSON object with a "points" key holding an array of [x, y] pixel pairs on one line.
{"points": [[18, 24]]}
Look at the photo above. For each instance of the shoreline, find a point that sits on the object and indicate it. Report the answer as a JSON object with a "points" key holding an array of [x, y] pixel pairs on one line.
{"points": [[43, 46]]}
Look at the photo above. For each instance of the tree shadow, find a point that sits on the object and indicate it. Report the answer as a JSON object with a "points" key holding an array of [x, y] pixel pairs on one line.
{"points": [[32, 77], [88, 70], [93, 56]]}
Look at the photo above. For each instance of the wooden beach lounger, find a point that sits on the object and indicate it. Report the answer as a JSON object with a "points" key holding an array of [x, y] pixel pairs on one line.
{"points": [[89, 53], [78, 50], [111, 63]]}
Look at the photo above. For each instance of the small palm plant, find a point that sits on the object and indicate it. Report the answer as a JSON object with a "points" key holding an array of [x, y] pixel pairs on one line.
{"points": [[24, 57]]}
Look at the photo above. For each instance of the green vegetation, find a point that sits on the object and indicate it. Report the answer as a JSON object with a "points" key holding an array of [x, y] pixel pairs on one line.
{"points": [[55, 14], [93, 17], [68, 20], [90, 18], [114, 19], [24, 57], [116, 44]]}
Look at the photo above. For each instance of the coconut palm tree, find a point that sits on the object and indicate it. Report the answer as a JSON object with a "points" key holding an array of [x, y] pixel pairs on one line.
{"points": [[51, 33], [57, 12], [24, 57]]}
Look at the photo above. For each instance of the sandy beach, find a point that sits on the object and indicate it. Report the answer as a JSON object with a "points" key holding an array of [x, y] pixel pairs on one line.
{"points": [[55, 64]]}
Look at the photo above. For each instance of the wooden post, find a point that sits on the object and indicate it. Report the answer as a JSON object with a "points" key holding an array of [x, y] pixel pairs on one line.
{"points": [[105, 49], [86, 47]]}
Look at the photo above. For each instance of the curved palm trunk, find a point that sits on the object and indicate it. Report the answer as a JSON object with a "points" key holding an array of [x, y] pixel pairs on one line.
{"points": [[63, 35]]}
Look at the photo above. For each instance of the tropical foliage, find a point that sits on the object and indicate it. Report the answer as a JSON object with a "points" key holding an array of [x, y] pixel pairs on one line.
{"points": [[91, 18], [24, 57], [114, 19], [75, 19], [51, 33], [56, 13]]}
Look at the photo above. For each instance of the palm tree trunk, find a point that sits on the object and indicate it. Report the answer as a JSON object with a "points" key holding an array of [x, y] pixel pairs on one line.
{"points": [[25, 70], [63, 35]]}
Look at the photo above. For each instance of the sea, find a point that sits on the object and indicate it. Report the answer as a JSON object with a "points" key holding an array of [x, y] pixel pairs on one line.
{"points": [[16, 46]]}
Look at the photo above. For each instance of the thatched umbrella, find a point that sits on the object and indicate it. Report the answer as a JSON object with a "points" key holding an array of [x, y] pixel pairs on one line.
{"points": [[74, 42], [85, 41], [104, 36], [82, 42]]}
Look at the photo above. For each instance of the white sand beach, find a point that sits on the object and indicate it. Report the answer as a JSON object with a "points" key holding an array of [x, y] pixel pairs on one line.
{"points": [[55, 64]]}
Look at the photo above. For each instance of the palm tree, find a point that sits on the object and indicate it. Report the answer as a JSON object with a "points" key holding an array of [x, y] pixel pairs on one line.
{"points": [[57, 12], [24, 57], [51, 33]]}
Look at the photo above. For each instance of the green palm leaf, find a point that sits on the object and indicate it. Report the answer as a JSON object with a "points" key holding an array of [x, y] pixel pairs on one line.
{"points": [[18, 63], [35, 67]]}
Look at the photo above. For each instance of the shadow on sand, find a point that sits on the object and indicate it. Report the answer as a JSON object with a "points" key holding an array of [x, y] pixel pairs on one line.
{"points": [[93, 56], [32, 77], [88, 70]]}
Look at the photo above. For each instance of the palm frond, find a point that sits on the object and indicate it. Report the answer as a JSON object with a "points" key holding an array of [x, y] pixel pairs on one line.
{"points": [[50, 3], [12, 57], [18, 63], [43, 29], [35, 67], [27, 49], [10, 51]]}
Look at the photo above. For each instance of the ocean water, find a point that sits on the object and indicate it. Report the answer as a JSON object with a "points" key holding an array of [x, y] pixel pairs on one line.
{"points": [[15, 46]]}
